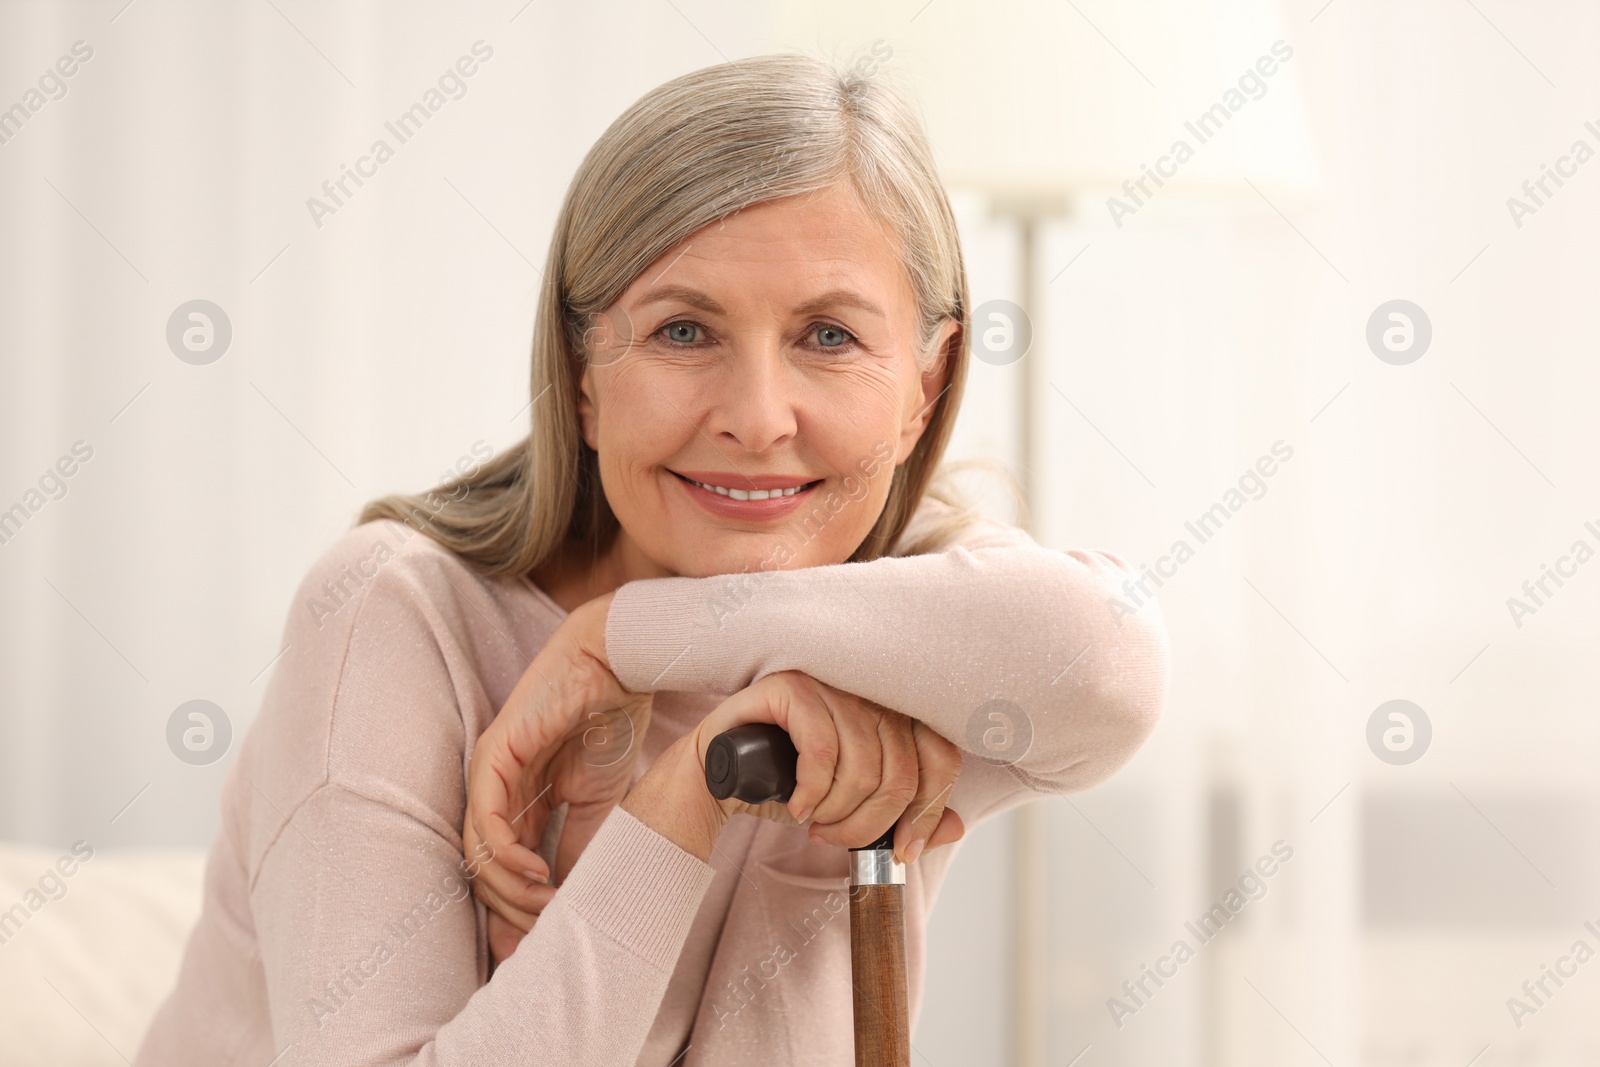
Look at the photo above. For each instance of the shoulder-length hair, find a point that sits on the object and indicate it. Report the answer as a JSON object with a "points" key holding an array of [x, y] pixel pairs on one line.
{"points": [[687, 154]]}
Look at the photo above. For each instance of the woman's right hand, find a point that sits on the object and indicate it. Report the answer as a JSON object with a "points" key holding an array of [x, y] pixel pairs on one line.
{"points": [[862, 769], [567, 734]]}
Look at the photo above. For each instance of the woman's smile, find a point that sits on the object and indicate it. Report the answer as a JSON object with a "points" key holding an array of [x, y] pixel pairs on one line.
{"points": [[754, 497]]}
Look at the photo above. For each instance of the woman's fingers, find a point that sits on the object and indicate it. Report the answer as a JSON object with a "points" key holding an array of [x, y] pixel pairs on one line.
{"points": [[518, 897], [512, 870], [506, 871], [861, 758], [951, 829], [939, 765], [883, 792]]}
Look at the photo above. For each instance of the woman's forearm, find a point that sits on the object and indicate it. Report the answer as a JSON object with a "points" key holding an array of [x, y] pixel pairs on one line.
{"points": [[938, 637], [343, 959]]}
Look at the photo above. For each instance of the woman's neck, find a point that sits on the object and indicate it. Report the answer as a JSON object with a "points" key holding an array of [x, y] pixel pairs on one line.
{"points": [[575, 574]]}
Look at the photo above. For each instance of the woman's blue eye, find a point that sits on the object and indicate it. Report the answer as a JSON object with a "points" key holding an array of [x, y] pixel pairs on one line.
{"points": [[682, 333], [831, 336]]}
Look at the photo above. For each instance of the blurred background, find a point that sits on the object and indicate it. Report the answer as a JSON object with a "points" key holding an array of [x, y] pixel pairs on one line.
{"points": [[1305, 286]]}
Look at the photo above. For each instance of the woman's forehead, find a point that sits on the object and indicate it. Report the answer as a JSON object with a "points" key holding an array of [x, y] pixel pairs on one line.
{"points": [[823, 250]]}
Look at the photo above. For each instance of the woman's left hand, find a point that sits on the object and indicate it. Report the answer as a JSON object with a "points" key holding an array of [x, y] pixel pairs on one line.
{"points": [[567, 734]]}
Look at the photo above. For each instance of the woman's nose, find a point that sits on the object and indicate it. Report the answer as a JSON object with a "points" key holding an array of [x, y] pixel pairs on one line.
{"points": [[755, 403]]}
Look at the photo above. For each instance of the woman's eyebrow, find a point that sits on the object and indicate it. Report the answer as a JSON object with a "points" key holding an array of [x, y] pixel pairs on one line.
{"points": [[838, 298], [693, 297], [696, 299]]}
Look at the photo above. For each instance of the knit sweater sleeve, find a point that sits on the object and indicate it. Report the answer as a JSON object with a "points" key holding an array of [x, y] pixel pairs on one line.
{"points": [[1028, 659], [372, 946]]}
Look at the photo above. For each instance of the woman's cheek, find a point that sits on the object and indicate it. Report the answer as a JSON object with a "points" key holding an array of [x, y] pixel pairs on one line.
{"points": [[852, 505], [641, 412], [872, 465]]}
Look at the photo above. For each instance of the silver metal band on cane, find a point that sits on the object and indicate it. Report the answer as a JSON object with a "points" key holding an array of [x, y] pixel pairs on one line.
{"points": [[876, 866]]}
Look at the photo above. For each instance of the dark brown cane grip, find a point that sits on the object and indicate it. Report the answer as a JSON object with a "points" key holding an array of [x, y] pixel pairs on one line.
{"points": [[754, 763]]}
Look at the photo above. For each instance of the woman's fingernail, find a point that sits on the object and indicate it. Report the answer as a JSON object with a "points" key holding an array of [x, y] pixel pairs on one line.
{"points": [[914, 850], [535, 878], [805, 813]]}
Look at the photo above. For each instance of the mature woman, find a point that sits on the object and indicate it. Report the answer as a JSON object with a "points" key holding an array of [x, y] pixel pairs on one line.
{"points": [[748, 355]]}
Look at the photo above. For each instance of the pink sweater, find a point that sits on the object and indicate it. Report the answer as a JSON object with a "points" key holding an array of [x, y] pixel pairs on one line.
{"points": [[337, 927]]}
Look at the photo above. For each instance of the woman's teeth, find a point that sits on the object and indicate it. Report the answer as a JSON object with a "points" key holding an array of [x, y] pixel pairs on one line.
{"points": [[751, 494]]}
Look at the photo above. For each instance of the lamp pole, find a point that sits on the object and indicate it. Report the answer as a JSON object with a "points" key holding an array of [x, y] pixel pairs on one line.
{"points": [[1030, 211]]}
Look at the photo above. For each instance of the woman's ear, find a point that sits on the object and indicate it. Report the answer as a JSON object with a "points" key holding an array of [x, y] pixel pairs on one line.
{"points": [[588, 413], [933, 383]]}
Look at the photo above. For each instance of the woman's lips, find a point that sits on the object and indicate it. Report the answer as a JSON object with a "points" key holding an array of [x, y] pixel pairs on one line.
{"points": [[775, 506]]}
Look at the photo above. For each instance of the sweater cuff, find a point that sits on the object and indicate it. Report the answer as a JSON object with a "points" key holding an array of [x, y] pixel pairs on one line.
{"points": [[638, 888]]}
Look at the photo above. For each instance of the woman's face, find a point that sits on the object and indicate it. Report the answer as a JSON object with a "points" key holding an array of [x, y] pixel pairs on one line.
{"points": [[751, 393]]}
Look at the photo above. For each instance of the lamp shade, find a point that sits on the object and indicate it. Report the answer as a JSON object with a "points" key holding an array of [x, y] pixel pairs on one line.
{"points": [[1043, 98]]}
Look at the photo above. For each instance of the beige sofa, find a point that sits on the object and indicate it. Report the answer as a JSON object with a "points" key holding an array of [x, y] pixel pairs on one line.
{"points": [[86, 958]]}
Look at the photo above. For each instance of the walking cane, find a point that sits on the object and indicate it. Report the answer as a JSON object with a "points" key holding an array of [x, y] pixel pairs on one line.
{"points": [[755, 763]]}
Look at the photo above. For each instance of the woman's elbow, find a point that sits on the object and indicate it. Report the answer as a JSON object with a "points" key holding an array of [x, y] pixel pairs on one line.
{"points": [[1140, 696], [1100, 719]]}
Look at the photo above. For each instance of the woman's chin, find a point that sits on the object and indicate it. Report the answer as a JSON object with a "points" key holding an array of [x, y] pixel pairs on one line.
{"points": [[704, 562], [758, 554]]}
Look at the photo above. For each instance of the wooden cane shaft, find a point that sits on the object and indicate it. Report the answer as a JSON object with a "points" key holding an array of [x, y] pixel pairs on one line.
{"points": [[878, 974]]}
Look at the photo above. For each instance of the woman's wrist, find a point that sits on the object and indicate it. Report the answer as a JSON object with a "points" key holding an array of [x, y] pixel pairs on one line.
{"points": [[673, 801], [588, 623]]}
